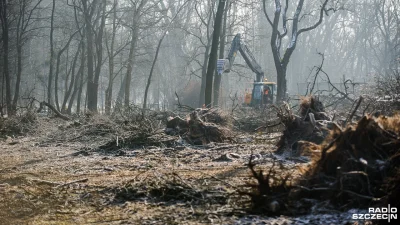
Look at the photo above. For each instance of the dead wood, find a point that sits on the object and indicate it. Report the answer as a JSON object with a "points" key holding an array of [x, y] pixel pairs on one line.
{"points": [[354, 110], [303, 127], [362, 159], [270, 193], [202, 126], [52, 108]]}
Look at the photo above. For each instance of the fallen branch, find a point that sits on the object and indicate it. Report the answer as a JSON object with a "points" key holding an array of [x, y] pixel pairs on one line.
{"points": [[54, 110], [186, 107]]}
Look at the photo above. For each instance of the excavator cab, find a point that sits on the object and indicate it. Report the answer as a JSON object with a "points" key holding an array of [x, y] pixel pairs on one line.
{"points": [[262, 94]]}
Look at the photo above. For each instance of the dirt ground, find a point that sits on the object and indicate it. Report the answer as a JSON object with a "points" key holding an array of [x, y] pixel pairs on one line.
{"points": [[46, 178]]}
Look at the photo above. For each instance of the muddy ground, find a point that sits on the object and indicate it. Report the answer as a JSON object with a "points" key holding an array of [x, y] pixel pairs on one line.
{"points": [[56, 175]]}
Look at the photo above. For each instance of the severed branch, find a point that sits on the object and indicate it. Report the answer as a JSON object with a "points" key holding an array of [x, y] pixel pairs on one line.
{"points": [[43, 103], [64, 117], [354, 111], [183, 106], [319, 68]]}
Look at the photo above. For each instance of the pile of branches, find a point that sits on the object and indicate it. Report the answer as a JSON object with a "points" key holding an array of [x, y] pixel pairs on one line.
{"points": [[359, 165], [252, 119], [270, 194], [201, 126], [18, 125], [310, 125], [355, 166]]}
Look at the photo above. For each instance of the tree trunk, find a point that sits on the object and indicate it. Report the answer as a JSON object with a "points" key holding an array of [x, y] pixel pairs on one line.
{"points": [[72, 82], [131, 61], [6, 72], [281, 63], [19, 74], [58, 61], [204, 75], [99, 54], [50, 81], [151, 74], [217, 77], [20, 25], [121, 92], [91, 86], [109, 90], [81, 81], [214, 53]]}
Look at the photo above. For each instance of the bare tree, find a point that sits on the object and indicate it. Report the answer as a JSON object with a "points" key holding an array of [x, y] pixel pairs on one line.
{"points": [[50, 80], [24, 19], [282, 62], [5, 39], [217, 77], [212, 62], [208, 24], [137, 8], [110, 51]]}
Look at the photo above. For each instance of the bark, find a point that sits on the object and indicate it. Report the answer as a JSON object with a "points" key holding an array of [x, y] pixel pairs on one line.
{"points": [[214, 52]]}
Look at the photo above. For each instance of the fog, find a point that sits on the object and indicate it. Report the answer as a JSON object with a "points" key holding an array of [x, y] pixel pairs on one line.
{"points": [[97, 55]]}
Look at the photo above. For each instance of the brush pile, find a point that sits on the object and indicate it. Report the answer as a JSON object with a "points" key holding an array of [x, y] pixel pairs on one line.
{"points": [[201, 126], [359, 165], [311, 125], [356, 166], [18, 125]]}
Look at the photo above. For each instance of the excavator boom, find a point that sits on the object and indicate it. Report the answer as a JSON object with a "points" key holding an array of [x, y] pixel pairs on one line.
{"points": [[239, 45]]}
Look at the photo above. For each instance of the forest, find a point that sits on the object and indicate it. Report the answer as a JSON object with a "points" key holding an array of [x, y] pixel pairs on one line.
{"points": [[199, 111]]}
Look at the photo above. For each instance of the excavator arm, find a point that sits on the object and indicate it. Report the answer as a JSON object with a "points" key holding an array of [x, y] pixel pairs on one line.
{"points": [[239, 45]]}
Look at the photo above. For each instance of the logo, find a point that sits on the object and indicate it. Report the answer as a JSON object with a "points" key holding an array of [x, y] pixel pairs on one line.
{"points": [[384, 213], [220, 66]]}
